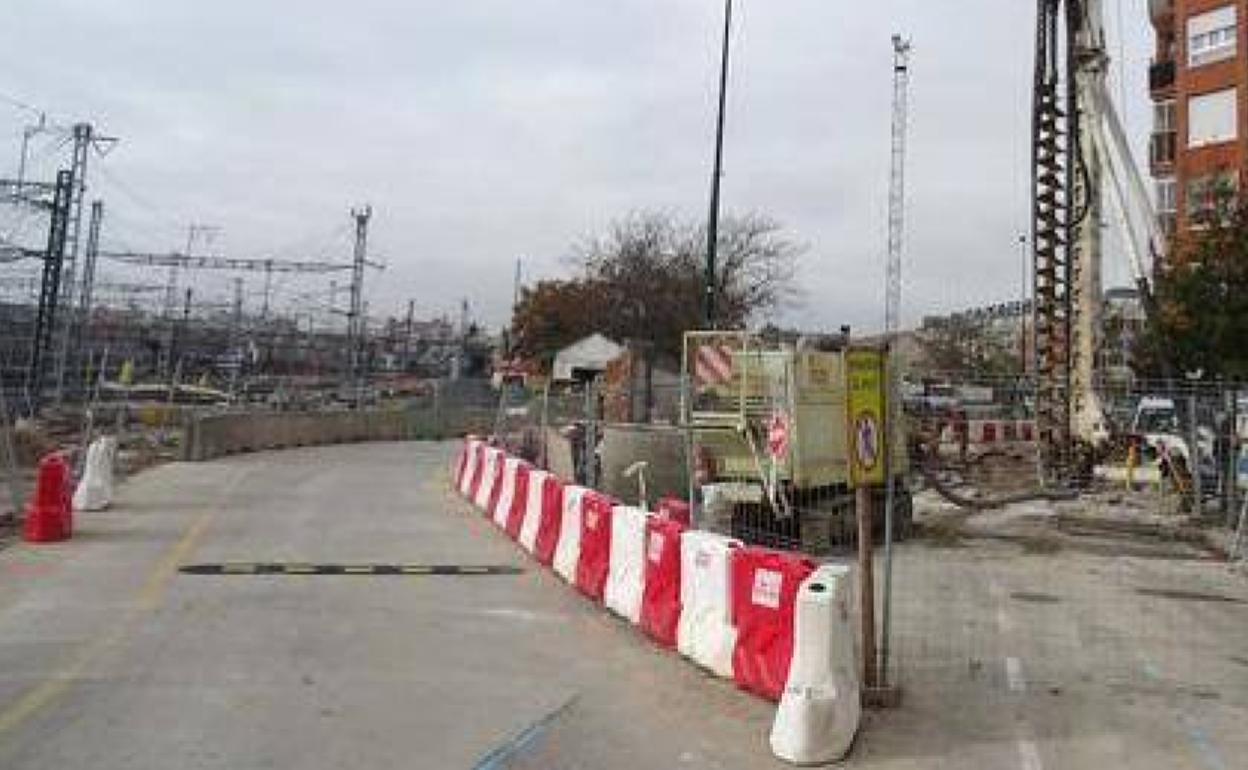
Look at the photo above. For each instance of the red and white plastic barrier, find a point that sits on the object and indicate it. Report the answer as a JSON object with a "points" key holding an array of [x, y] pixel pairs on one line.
{"points": [[767, 619], [519, 503], [984, 432], [660, 603], [705, 633], [568, 550], [675, 510], [491, 468], [591, 570], [764, 593], [820, 709], [507, 495], [550, 519], [535, 482], [473, 454], [627, 570]]}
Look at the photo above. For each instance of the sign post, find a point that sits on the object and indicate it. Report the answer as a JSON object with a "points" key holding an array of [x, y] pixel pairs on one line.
{"points": [[868, 446]]}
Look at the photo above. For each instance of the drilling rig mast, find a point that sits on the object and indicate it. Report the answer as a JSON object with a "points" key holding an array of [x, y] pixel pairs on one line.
{"points": [[1077, 146]]}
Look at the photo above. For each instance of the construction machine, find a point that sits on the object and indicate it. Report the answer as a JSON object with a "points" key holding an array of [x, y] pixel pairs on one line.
{"points": [[1080, 161], [782, 435]]}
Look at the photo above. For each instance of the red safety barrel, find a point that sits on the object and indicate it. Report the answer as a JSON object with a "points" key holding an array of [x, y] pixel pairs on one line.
{"points": [[551, 520], [660, 601], [675, 509], [764, 594], [595, 559], [519, 501]]}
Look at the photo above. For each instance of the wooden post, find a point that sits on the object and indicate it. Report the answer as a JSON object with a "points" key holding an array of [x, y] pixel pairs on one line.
{"points": [[866, 587]]}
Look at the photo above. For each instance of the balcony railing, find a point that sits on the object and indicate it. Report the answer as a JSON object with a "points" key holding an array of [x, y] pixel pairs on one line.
{"points": [[1161, 152], [1161, 75]]}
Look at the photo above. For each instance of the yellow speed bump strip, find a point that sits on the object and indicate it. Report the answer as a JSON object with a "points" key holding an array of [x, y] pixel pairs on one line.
{"points": [[270, 568]]}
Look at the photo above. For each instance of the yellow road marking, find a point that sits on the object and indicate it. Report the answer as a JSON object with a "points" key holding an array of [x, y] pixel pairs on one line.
{"points": [[145, 599]]}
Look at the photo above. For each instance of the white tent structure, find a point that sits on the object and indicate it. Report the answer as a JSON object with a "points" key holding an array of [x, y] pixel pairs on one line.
{"points": [[587, 356]]}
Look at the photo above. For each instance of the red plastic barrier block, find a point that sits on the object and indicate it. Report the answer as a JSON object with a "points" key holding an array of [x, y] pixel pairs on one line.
{"points": [[764, 592], [1009, 431], [519, 502], [675, 509], [990, 432], [591, 569], [1028, 431], [49, 513], [660, 603], [552, 519]]}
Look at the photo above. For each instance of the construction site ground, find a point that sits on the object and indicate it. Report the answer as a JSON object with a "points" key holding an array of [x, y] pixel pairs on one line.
{"points": [[1017, 643]]}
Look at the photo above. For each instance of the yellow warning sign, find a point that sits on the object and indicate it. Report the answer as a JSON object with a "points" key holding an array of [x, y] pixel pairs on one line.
{"points": [[865, 375]]}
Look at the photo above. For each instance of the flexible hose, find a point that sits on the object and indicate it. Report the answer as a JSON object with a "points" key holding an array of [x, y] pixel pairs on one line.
{"points": [[989, 503]]}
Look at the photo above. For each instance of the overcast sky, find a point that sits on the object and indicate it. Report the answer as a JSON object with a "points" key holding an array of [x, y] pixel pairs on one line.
{"points": [[485, 130]]}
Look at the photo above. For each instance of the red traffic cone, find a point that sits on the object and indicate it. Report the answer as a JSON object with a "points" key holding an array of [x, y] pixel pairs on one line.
{"points": [[48, 514]]}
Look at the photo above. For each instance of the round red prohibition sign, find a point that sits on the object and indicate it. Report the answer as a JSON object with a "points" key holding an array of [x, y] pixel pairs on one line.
{"points": [[778, 435], [867, 440]]}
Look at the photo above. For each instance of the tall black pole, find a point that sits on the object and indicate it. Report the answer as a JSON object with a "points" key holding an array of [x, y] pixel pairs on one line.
{"points": [[712, 227]]}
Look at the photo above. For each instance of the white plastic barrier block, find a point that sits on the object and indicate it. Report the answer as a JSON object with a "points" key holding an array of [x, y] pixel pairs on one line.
{"points": [[489, 470], [472, 467], [95, 490], [568, 550], [508, 492], [627, 566], [705, 633], [533, 510], [820, 709]]}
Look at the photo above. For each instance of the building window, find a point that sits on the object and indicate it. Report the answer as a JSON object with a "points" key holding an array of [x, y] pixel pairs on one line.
{"points": [[1208, 194], [1167, 196], [1211, 36], [1212, 118], [1163, 116]]}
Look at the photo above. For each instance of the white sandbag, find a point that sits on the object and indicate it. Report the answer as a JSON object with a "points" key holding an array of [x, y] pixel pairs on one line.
{"points": [[471, 466], [568, 549], [705, 633], [508, 492], [820, 709], [489, 472], [95, 490], [532, 521], [627, 565]]}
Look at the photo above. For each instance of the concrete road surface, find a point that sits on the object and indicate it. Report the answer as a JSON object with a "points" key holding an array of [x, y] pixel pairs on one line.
{"points": [[111, 658]]}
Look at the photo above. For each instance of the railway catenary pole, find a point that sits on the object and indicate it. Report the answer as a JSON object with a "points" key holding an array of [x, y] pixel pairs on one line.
{"points": [[355, 318]]}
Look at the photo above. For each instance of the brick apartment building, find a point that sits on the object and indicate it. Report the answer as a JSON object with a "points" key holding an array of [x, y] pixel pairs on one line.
{"points": [[1200, 109]]}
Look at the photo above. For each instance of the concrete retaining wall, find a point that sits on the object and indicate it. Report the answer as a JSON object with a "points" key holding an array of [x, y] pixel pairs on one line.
{"points": [[662, 446], [210, 435]]}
